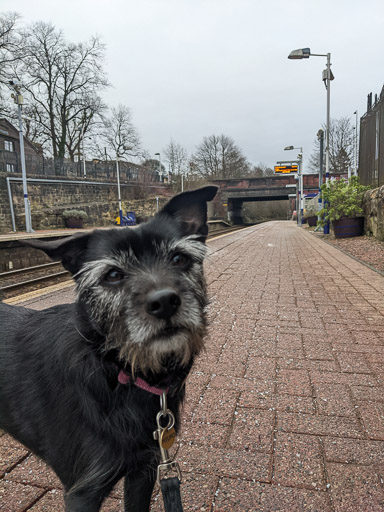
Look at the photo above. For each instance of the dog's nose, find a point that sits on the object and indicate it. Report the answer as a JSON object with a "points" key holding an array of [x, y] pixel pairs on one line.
{"points": [[163, 303]]}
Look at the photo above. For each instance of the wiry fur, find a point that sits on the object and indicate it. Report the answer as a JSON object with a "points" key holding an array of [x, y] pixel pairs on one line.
{"points": [[59, 391]]}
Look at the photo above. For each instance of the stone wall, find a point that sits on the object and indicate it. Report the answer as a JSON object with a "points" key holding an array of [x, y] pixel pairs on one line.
{"points": [[374, 212], [99, 200]]}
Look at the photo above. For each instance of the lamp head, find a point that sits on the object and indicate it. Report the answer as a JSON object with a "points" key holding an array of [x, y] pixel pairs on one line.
{"points": [[302, 53], [288, 148]]}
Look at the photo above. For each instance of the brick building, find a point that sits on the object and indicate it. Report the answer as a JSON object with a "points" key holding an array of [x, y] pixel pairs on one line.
{"points": [[10, 160]]}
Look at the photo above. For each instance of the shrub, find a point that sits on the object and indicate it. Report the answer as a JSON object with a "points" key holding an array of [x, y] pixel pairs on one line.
{"points": [[342, 198], [76, 214]]}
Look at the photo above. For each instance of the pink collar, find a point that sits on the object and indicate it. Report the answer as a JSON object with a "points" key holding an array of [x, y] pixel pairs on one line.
{"points": [[124, 378]]}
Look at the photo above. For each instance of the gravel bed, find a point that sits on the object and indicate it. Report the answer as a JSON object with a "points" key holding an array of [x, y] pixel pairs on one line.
{"points": [[366, 249]]}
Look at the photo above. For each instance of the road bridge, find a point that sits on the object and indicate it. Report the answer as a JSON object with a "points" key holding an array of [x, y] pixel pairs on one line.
{"points": [[233, 193]]}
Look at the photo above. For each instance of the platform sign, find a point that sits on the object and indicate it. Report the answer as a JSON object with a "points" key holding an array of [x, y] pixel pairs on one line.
{"points": [[285, 169]]}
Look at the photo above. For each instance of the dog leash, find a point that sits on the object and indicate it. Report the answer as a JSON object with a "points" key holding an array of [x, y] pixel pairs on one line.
{"points": [[165, 436]]}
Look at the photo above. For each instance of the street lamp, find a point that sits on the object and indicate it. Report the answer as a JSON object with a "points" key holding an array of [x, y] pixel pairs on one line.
{"points": [[305, 53], [300, 176], [160, 173], [18, 99], [124, 148], [356, 141]]}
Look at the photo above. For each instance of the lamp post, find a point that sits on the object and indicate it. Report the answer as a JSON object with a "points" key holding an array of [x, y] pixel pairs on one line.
{"points": [[356, 141], [305, 53], [81, 130], [160, 173], [300, 177], [118, 188], [18, 99]]}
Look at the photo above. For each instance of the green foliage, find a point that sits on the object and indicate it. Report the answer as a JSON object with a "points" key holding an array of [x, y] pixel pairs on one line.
{"points": [[342, 198], [76, 214]]}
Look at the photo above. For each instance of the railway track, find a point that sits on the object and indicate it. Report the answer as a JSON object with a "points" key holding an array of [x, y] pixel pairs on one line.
{"points": [[17, 282]]}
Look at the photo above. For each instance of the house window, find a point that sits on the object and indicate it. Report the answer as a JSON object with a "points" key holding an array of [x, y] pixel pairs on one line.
{"points": [[11, 168], [8, 145]]}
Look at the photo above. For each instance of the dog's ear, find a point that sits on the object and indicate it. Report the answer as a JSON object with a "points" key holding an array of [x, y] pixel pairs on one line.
{"points": [[69, 250], [190, 208]]}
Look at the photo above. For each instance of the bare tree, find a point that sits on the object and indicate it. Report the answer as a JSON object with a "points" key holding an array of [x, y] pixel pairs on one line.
{"points": [[261, 169], [61, 81], [119, 136], [8, 44], [341, 146], [219, 157], [177, 157]]}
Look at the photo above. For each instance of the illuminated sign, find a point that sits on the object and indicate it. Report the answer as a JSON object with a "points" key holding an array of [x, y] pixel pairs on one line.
{"points": [[285, 169]]}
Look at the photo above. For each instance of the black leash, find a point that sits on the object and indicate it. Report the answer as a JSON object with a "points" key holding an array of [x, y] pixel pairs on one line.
{"points": [[170, 487]]}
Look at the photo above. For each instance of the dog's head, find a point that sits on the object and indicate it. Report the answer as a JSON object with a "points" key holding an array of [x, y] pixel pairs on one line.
{"points": [[143, 288]]}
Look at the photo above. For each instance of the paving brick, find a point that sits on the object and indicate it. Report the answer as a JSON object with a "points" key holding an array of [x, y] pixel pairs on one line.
{"points": [[355, 488], [252, 430], [353, 451], [34, 471], [225, 462], [368, 393], [353, 363], [294, 382], [10, 456], [260, 367], [239, 495], [334, 399], [204, 434], [319, 425], [16, 497], [217, 406], [372, 414], [298, 461]]}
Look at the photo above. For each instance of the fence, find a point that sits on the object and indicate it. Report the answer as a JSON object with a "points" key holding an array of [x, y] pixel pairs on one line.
{"points": [[95, 170], [371, 150]]}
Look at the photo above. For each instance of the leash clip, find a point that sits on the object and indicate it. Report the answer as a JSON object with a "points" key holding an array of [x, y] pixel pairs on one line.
{"points": [[165, 436]]}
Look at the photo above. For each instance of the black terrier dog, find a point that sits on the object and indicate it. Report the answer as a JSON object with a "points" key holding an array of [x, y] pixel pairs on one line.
{"points": [[79, 382]]}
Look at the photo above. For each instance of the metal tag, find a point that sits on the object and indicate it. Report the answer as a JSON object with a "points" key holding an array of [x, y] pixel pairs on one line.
{"points": [[168, 437]]}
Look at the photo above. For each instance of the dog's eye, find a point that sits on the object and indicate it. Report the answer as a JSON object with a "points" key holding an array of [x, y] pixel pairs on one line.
{"points": [[113, 276], [180, 260]]}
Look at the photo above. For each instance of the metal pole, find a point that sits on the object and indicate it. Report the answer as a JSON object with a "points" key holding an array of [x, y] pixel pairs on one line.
{"points": [[118, 190], [84, 167], [328, 116], [28, 223], [301, 187], [328, 82], [320, 135], [356, 141]]}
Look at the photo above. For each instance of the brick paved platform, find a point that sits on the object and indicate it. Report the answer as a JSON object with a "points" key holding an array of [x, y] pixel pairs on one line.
{"points": [[285, 410]]}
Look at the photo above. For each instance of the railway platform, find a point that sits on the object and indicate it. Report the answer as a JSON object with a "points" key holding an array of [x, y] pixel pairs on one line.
{"points": [[285, 409]]}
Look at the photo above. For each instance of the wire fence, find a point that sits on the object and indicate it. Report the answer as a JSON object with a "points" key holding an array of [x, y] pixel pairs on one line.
{"points": [[371, 149], [94, 170]]}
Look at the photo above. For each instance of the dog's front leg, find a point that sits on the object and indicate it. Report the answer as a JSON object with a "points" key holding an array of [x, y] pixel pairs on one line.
{"points": [[83, 502], [138, 491]]}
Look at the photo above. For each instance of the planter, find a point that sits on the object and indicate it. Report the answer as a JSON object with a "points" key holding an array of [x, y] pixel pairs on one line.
{"points": [[312, 221], [74, 222], [348, 226]]}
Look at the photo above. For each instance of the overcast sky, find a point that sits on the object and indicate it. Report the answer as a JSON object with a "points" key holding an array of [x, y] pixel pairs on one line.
{"points": [[193, 68]]}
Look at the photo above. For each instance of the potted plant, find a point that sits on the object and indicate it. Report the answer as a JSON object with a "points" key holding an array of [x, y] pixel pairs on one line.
{"points": [[311, 212], [74, 219], [343, 201]]}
